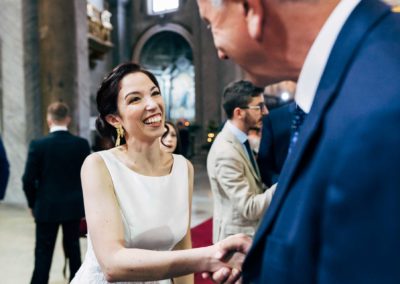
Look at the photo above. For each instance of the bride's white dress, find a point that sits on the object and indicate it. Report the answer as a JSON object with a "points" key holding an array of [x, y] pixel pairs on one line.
{"points": [[154, 211]]}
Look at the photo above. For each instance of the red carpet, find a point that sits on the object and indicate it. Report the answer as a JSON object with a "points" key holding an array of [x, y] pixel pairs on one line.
{"points": [[201, 237]]}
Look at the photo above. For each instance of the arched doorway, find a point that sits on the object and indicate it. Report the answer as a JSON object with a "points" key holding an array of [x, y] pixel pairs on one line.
{"points": [[167, 52]]}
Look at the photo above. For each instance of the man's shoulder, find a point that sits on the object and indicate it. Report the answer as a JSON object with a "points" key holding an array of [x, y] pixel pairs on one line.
{"points": [[223, 147], [221, 140], [78, 142], [39, 141], [282, 112], [79, 138], [65, 135], [55, 138]]}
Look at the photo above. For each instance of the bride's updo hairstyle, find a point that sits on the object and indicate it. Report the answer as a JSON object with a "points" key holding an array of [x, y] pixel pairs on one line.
{"points": [[107, 96]]}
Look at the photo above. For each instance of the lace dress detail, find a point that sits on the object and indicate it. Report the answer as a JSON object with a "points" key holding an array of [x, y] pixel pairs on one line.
{"points": [[154, 211]]}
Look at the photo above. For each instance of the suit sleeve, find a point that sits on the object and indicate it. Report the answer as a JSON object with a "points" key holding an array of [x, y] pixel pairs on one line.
{"points": [[4, 170], [361, 228], [30, 179], [230, 174]]}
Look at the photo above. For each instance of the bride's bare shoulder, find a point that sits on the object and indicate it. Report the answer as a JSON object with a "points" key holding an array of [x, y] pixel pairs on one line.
{"points": [[94, 161]]}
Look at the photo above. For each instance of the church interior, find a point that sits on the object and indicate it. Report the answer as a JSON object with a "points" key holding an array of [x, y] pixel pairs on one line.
{"points": [[56, 50]]}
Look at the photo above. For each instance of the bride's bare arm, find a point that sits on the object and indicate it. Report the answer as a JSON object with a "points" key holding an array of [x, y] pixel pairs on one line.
{"points": [[107, 235]]}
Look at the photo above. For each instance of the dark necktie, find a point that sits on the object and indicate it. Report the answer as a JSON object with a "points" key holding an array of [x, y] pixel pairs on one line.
{"points": [[251, 156], [297, 121]]}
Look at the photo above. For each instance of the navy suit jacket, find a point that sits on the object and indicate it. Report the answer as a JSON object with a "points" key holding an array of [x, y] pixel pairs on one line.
{"points": [[51, 180], [275, 138], [4, 170], [335, 214]]}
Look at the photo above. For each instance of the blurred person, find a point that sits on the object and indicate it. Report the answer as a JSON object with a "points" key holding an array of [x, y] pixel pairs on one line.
{"points": [[170, 141], [138, 197], [184, 137], [274, 144], [52, 186], [333, 217], [4, 170], [238, 193], [254, 136]]}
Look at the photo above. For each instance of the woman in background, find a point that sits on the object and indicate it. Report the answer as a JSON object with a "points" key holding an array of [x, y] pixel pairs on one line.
{"points": [[170, 141], [138, 197]]}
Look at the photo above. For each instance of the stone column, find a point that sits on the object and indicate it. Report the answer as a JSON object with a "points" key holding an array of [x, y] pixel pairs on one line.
{"points": [[82, 70], [44, 58], [64, 59], [20, 111]]}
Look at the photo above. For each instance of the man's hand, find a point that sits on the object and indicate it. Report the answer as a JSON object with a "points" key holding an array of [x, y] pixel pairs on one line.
{"points": [[236, 243], [232, 251]]}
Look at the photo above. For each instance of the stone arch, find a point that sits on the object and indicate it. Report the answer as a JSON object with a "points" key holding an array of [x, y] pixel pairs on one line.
{"points": [[167, 51], [170, 27]]}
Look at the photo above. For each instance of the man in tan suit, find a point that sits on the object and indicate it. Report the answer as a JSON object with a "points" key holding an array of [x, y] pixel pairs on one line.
{"points": [[239, 196]]}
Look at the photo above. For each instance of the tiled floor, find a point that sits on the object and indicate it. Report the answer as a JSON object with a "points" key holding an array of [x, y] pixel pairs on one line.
{"points": [[17, 231]]}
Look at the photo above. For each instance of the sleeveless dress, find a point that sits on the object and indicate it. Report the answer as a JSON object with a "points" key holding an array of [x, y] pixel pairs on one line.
{"points": [[154, 211]]}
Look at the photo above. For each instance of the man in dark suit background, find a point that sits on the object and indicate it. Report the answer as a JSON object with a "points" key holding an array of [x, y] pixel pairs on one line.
{"points": [[274, 145], [334, 215], [52, 185], [4, 170]]}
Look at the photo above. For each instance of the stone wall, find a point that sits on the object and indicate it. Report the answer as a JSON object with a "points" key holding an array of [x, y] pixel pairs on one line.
{"points": [[20, 86], [43, 58]]}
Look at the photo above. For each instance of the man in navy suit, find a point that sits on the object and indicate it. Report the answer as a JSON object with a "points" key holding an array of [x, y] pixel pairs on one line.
{"points": [[334, 216], [4, 170], [274, 145], [52, 185]]}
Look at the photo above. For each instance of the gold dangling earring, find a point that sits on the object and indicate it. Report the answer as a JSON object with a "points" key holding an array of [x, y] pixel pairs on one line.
{"points": [[120, 134]]}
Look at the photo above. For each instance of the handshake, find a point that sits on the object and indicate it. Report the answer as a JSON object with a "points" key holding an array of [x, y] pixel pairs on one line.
{"points": [[227, 260]]}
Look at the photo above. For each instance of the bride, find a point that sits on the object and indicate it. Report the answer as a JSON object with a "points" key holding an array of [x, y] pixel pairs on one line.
{"points": [[138, 197]]}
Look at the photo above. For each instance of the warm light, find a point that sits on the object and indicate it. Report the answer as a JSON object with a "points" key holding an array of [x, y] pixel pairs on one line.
{"points": [[211, 135], [187, 123], [209, 140], [285, 96]]}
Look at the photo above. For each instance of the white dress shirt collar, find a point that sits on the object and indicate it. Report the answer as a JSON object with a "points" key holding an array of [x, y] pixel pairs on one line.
{"points": [[58, 128], [239, 134], [318, 55]]}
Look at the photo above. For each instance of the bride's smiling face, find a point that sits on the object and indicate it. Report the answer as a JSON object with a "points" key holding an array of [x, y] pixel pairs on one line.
{"points": [[140, 107]]}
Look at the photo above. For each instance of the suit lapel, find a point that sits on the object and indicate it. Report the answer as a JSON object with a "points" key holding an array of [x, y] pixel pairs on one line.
{"points": [[238, 146], [366, 14]]}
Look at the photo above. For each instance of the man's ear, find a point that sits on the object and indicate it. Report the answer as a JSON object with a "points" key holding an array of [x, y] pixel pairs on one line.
{"points": [[113, 120], [49, 120], [238, 113], [255, 18]]}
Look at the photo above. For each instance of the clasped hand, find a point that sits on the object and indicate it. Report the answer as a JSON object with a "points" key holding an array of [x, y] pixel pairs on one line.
{"points": [[231, 253]]}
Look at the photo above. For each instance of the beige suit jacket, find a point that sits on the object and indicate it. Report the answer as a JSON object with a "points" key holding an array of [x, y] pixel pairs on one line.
{"points": [[238, 193]]}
